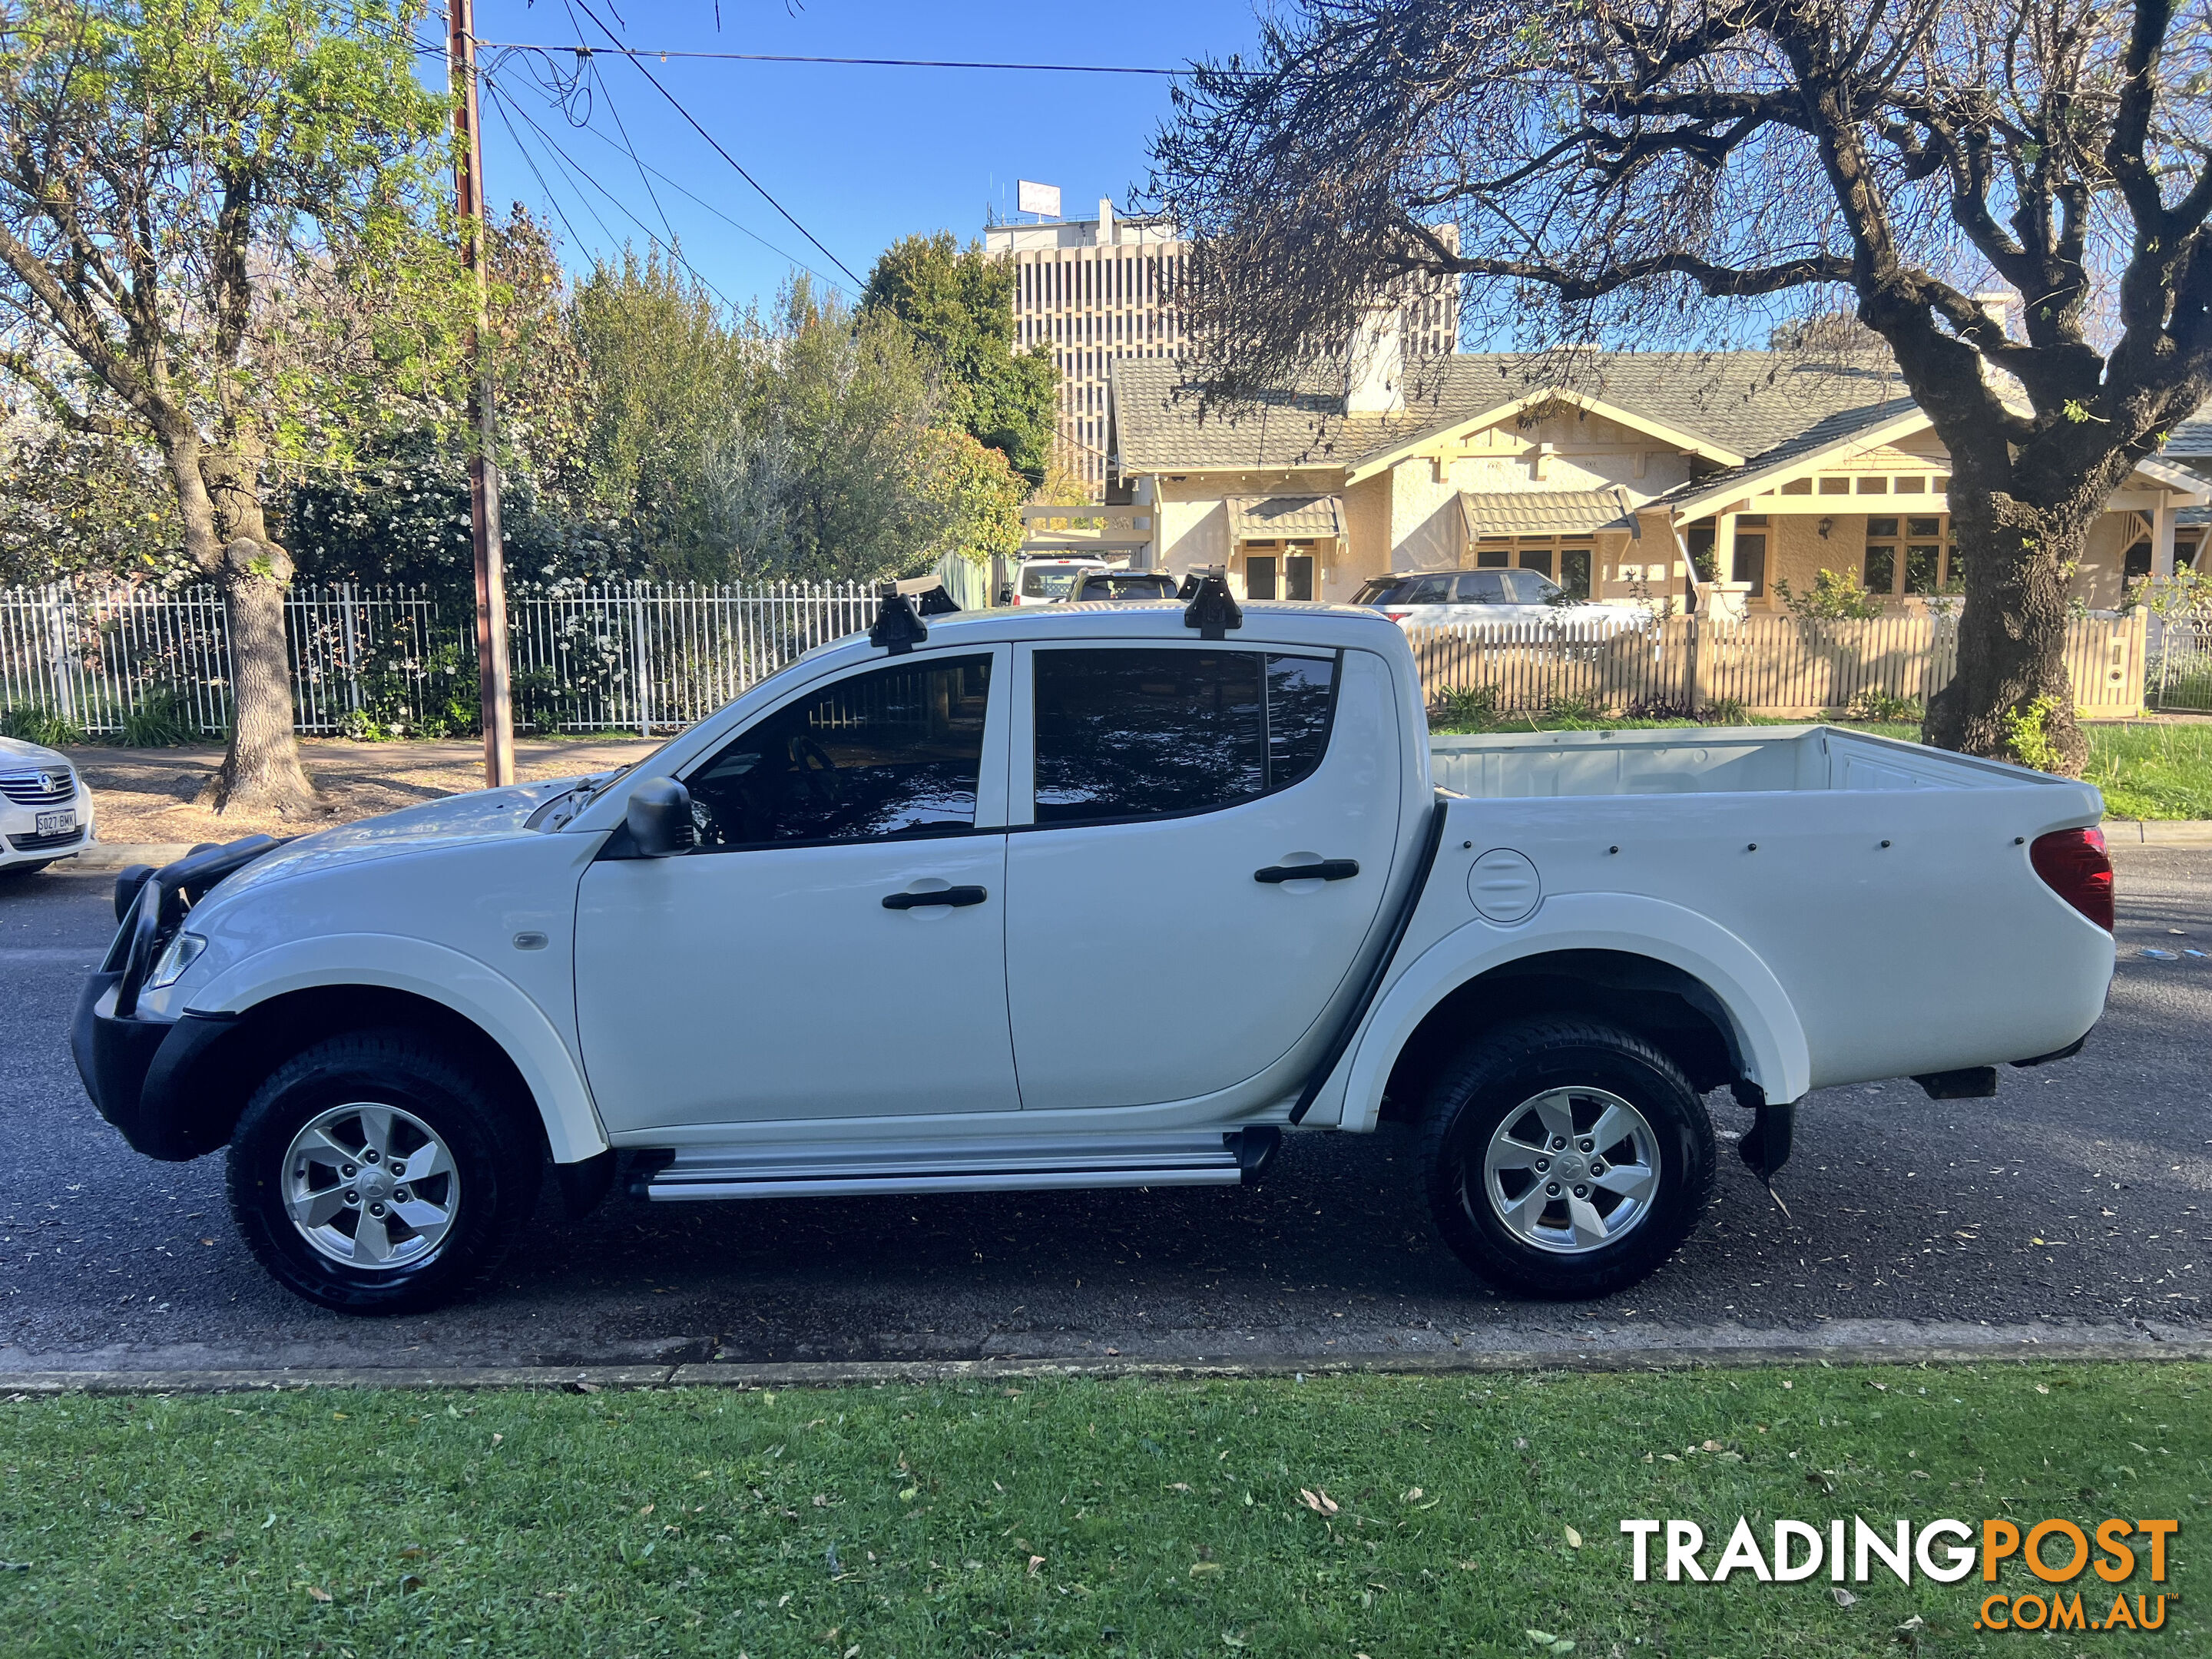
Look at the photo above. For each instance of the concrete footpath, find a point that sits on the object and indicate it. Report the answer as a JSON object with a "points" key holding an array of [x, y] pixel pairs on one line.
{"points": [[1934, 1346]]}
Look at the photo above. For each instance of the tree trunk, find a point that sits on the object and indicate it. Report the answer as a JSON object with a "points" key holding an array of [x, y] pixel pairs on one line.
{"points": [[260, 772], [2020, 559]]}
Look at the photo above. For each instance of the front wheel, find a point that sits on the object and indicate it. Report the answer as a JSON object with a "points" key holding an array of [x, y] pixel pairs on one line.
{"points": [[382, 1172], [1565, 1159]]}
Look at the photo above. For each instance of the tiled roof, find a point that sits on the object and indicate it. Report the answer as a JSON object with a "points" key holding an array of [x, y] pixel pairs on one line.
{"points": [[1286, 515], [1544, 512], [1741, 402], [2192, 439]]}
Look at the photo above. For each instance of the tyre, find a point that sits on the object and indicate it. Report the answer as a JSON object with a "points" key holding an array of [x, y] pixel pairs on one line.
{"points": [[1565, 1158], [383, 1172]]}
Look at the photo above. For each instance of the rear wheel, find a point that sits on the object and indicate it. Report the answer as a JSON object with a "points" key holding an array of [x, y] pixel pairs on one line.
{"points": [[383, 1172], [1564, 1159]]}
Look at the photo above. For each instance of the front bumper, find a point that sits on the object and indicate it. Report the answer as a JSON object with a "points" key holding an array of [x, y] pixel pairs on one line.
{"points": [[146, 1074], [140, 1072], [21, 841]]}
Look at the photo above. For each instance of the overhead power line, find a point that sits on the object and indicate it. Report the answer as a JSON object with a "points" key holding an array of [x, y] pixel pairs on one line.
{"points": [[715, 143], [857, 63]]}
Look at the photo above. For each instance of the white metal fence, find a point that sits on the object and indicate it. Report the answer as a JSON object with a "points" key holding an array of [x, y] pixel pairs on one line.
{"points": [[616, 657], [2180, 678]]}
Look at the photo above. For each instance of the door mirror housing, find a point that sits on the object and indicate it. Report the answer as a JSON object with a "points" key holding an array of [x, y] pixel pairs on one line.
{"points": [[658, 818]]}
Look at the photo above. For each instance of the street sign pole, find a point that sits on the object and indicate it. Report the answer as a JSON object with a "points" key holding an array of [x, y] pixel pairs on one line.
{"points": [[483, 467]]}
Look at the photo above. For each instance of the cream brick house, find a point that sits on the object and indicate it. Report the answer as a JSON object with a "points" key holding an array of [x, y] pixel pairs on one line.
{"points": [[1616, 473]]}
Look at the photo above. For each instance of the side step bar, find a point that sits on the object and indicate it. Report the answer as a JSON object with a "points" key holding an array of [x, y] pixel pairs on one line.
{"points": [[1204, 1159]]}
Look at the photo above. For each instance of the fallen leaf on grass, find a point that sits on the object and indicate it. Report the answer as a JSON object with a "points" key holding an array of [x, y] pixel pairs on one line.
{"points": [[320, 1595], [1844, 1597], [1200, 1568], [1320, 1503], [1411, 1495], [409, 1581], [1035, 1561], [1179, 1486], [2040, 1389], [1574, 1539]]}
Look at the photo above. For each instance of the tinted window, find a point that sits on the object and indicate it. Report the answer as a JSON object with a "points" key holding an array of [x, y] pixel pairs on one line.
{"points": [[1482, 587], [894, 751], [1377, 592], [1126, 587], [1123, 735], [1528, 587], [1048, 584], [1426, 590]]}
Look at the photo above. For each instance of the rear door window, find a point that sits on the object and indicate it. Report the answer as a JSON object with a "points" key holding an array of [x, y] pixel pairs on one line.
{"points": [[894, 751], [1427, 590], [1482, 587], [1149, 733]]}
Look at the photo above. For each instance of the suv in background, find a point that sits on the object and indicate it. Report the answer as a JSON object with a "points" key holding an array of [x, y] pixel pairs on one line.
{"points": [[1046, 582], [1429, 598], [1124, 586]]}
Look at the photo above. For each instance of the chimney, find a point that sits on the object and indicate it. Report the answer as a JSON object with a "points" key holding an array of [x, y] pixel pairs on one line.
{"points": [[1375, 370], [1105, 221]]}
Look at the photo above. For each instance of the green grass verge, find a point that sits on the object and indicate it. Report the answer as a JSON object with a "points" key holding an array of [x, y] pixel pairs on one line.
{"points": [[2147, 769], [1067, 1517]]}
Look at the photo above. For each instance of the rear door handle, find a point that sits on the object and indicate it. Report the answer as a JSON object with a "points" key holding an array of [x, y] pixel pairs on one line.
{"points": [[1327, 870], [953, 896]]}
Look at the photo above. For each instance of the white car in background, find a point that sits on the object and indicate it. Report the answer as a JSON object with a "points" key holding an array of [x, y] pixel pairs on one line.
{"points": [[1433, 598], [46, 810]]}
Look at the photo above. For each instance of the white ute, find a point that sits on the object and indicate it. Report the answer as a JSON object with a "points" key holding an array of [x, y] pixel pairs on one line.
{"points": [[819, 943]]}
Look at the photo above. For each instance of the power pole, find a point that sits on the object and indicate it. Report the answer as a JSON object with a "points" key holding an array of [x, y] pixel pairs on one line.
{"points": [[483, 468]]}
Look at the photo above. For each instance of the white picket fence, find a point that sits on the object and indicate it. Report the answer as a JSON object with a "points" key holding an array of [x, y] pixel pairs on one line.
{"points": [[633, 657]]}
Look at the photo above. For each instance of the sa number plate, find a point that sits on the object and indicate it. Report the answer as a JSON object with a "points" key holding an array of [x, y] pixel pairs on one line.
{"points": [[57, 824]]}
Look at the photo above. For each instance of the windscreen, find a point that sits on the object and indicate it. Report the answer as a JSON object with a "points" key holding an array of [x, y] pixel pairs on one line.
{"points": [[1380, 591]]}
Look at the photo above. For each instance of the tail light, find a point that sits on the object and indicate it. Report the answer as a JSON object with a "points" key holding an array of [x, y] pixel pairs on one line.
{"points": [[1396, 616], [2073, 865]]}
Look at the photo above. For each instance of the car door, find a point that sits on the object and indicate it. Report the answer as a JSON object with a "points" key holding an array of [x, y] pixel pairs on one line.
{"points": [[833, 947], [1159, 946]]}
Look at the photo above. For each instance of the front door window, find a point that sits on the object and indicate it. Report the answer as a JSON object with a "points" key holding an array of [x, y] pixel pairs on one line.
{"points": [[896, 752]]}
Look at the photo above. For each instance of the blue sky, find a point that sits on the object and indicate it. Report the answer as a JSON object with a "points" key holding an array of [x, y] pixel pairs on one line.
{"points": [[860, 156]]}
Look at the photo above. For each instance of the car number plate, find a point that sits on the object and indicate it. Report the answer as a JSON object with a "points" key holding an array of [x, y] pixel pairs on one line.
{"points": [[57, 824]]}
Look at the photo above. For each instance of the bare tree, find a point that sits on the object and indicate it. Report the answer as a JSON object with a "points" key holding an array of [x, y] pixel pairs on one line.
{"points": [[217, 212], [1630, 169]]}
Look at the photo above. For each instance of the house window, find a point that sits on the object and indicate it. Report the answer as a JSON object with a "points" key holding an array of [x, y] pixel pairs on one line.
{"points": [[1538, 557], [1926, 541], [1574, 569], [1880, 571], [1260, 576], [2135, 566], [1493, 553], [1835, 486], [1747, 562]]}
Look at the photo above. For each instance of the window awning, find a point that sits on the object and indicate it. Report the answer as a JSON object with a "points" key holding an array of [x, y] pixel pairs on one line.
{"points": [[1294, 518], [1546, 511]]}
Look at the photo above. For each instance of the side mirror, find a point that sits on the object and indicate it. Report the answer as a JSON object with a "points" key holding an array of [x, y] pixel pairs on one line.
{"points": [[659, 817]]}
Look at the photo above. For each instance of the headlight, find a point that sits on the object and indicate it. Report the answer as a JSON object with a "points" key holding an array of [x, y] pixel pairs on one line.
{"points": [[182, 953]]}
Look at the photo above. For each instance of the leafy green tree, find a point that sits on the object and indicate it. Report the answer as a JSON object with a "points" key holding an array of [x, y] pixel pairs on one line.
{"points": [[959, 303], [840, 464], [222, 216], [76, 504]]}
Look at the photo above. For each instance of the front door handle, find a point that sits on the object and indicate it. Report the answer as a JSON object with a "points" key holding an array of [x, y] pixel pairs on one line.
{"points": [[953, 896], [1327, 870]]}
